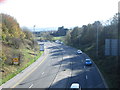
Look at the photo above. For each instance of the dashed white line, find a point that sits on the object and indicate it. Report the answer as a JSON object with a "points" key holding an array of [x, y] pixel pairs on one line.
{"points": [[42, 73], [31, 86], [86, 77]]}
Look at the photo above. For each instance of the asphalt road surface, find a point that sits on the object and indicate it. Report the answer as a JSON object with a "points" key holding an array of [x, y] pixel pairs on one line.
{"points": [[62, 67]]}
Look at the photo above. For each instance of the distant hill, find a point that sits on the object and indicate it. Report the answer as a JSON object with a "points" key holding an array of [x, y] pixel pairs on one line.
{"points": [[43, 29]]}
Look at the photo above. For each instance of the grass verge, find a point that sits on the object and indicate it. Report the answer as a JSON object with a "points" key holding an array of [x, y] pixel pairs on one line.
{"points": [[59, 38], [106, 64], [19, 69]]}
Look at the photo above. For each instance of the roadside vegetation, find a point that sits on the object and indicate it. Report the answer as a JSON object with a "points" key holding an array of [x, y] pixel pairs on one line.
{"points": [[84, 38], [43, 36], [52, 35], [60, 38], [16, 43]]}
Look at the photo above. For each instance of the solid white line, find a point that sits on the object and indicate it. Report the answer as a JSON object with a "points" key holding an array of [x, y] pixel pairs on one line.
{"points": [[31, 86], [86, 77], [42, 73], [30, 72]]}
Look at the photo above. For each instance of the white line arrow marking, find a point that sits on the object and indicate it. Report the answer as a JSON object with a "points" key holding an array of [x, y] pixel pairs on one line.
{"points": [[31, 86]]}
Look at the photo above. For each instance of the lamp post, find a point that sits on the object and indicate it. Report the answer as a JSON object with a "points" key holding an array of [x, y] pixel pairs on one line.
{"points": [[34, 41], [97, 42]]}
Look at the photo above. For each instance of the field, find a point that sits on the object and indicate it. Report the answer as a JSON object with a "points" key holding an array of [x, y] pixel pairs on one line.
{"points": [[59, 38]]}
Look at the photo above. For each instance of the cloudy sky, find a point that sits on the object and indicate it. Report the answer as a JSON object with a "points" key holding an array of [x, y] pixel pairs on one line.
{"points": [[55, 13]]}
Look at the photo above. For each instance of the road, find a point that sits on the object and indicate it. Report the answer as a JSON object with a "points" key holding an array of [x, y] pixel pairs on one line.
{"points": [[62, 67]]}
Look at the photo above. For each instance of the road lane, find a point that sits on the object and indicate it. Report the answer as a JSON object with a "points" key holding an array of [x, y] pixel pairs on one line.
{"points": [[94, 79], [50, 71], [61, 68], [86, 76], [77, 67]]}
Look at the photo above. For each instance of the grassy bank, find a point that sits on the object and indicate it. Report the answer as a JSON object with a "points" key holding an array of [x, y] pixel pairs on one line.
{"points": [[12, 70], [61, 38]]}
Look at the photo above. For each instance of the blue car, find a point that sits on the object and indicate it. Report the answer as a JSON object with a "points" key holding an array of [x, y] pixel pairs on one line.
{"points": [[88, 62]]}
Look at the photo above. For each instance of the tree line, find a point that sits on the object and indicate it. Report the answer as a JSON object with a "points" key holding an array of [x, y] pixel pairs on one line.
{"points": [[14, 39], [85, 38]]}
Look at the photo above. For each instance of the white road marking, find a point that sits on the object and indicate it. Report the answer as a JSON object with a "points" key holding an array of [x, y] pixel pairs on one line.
{"points": [[31, 86], [86, 77], [42, 73], [84, 66]]}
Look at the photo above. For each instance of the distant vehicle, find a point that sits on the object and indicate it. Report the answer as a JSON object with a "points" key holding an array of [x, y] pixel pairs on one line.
{"points": [[79, 52], [57, 41], [88, 62], [43, 40], [41, 47], [75, 86], [61, 42]]}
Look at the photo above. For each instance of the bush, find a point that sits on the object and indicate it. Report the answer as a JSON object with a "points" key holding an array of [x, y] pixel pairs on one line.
{"points": [[12, 53], [28, 34], [17, 42]]}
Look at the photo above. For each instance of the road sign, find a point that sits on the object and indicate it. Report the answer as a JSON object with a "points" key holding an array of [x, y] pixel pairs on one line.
{"points": [[15, 61], [112, 47]]}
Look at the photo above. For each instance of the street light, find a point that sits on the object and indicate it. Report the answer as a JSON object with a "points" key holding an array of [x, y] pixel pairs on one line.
{"points": [[34, 41], [97, 41]]}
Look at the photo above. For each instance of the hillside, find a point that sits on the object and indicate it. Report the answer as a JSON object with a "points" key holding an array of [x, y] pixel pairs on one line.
{"points": [[16, 43]]}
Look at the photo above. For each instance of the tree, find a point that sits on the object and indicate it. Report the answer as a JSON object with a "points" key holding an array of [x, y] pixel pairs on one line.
{"points": [[74, 36], [68, 38], [28, 34]]}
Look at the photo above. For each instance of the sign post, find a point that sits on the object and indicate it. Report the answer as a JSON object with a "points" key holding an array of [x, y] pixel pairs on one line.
{"points": [[15, 61]]}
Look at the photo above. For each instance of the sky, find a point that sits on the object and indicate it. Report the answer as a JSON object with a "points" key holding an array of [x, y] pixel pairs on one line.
{"points": [[56, 13]]}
